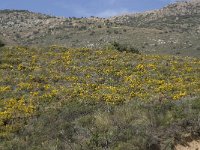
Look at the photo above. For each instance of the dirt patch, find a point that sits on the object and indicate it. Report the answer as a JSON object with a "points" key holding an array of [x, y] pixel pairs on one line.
{"points": [[194, 145]]}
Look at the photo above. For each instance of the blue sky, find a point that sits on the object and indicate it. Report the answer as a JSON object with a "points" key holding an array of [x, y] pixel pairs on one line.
{"points": [[84, 8]]}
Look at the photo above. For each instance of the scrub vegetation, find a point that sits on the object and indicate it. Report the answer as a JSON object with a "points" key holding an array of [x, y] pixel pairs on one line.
{"points": [[79, 98]]}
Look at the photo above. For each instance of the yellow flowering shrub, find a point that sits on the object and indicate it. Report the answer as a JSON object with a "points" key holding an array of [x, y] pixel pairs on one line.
{"points": [[4, 89], [12, 111], [57, 75]]}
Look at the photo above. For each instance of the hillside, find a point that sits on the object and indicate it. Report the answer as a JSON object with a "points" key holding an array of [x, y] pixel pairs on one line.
{"points": [[128, 82], [173, 29], [66, 98]]}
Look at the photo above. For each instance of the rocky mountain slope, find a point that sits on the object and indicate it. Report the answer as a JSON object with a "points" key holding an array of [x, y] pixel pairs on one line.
{"points": [[173, 29], [184, 15]]}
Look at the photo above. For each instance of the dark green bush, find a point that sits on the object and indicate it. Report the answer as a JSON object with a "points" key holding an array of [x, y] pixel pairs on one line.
{"points": [[1, 43], [124, 47]]}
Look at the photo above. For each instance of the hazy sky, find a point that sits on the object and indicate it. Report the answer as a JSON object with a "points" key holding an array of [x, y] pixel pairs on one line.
{"points": [[84, 8]]}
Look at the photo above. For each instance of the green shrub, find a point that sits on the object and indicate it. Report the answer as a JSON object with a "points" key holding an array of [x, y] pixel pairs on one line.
{"points": [[123, 47], [1, 43]]}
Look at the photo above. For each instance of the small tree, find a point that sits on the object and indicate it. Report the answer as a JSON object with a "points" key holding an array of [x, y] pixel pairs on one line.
{"points": [[124, 47], [99, 26], [1, 44]]}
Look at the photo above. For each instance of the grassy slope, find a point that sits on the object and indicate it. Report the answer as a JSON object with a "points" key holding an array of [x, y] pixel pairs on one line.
{"points": [[67, 98], [147, 40]]}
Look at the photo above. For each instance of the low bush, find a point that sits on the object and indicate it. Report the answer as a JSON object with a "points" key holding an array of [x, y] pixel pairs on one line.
{"points": [[123, 47], [2, 43]]}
